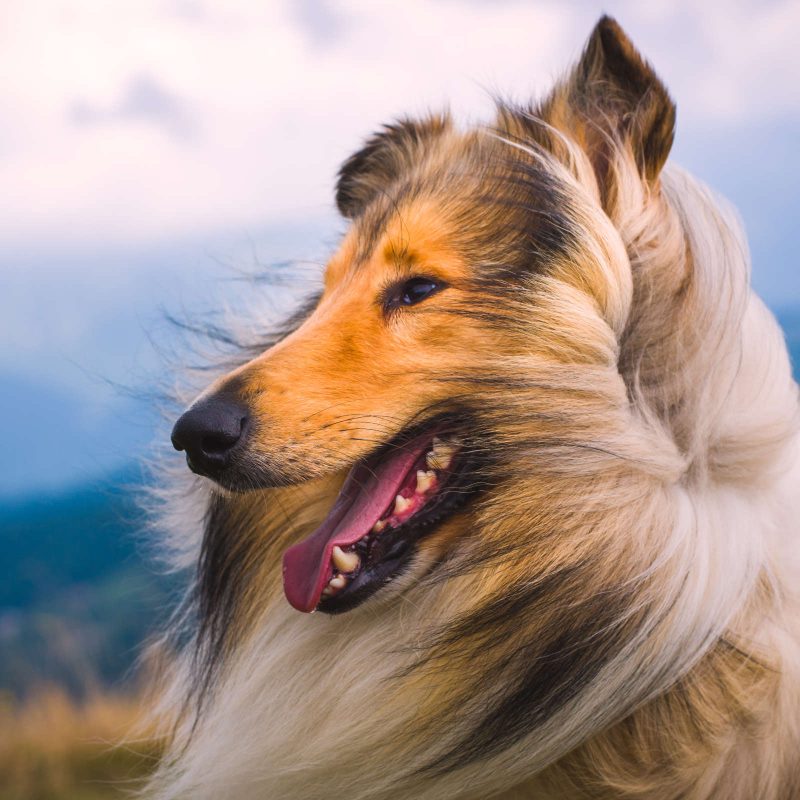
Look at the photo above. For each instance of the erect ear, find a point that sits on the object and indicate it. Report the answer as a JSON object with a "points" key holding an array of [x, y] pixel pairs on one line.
{"points": [[382, 160], [611, 98]]}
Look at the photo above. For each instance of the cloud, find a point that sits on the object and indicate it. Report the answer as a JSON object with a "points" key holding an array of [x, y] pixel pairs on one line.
{"points": [[190, 115], [143, 99], [322, 22]]}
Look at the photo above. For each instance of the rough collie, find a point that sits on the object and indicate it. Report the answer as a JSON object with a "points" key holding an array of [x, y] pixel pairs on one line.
{"points": [[510, 509]]}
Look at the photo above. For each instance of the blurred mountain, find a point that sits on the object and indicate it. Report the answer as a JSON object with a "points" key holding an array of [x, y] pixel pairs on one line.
{"points": [[77, 595]]}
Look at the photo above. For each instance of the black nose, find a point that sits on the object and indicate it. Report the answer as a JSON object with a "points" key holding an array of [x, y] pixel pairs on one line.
{"points": [[208, 432]]}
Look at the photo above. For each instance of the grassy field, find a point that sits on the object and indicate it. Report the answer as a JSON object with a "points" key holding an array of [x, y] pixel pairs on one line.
{"points": [[54, 748]]}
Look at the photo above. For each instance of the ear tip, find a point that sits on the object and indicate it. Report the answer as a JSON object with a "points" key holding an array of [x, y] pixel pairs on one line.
{"points": [[611, 35], [607, 22], [611, 51]]}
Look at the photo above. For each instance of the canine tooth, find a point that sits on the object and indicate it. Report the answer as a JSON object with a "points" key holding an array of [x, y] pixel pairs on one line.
{"points": [[401, 504], [344, 561], [339, 582], [425, 480], [379, 526], [441, 455]]}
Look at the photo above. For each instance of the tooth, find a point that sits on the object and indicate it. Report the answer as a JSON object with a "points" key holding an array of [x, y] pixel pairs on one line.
{"points": [[379, 526], [441, 455], [327, 591], [345, 562], [339, 582], [401, 504], [425, 480]]}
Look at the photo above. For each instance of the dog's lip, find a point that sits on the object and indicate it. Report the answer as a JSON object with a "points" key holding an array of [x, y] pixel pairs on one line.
{"points": [[370, 487]]}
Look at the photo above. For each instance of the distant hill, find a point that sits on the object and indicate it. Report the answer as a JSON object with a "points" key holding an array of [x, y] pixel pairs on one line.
{"points": [[78, 598]]}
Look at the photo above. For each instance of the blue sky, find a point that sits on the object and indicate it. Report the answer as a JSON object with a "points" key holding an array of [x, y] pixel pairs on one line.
{"points": [[146, 147]]}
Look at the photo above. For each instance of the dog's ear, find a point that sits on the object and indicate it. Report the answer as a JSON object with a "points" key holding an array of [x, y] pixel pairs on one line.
{"points": [[385, 155], [611, 98]]}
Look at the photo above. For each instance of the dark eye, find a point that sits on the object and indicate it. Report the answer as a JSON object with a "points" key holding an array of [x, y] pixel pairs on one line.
{"points": [[413, 291]]}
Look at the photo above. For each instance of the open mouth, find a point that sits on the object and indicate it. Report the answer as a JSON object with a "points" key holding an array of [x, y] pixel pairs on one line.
{"points": [[387, 503]]}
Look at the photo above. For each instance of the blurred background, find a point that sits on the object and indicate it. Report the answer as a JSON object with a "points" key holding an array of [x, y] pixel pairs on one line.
{"points": [[151, 152]]}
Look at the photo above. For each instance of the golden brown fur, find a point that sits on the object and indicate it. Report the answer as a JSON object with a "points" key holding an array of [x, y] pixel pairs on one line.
{"points": [[616, 613]]}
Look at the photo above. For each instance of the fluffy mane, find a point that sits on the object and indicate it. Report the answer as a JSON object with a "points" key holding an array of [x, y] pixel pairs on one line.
{"points": [[620, 617]]}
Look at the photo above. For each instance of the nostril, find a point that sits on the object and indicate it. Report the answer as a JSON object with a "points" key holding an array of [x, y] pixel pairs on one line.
{"points": [[218, 443]]}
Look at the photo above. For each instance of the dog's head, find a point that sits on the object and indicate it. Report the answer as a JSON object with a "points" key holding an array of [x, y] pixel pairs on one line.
{"points": [[479, 267]]}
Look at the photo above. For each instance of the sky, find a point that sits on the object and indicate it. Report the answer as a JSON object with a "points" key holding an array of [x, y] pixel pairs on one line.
{"points": [[147, 149]]}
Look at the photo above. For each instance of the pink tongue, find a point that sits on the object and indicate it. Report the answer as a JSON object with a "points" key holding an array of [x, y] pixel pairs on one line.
{"points": [[367, 492]]}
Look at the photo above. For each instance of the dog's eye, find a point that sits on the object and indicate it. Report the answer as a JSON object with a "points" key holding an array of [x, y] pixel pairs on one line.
{"points": [[413, 291], [416, 290]]}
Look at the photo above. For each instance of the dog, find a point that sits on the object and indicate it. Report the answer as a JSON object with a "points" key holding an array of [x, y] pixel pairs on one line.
{"points": [[510, 509]]}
